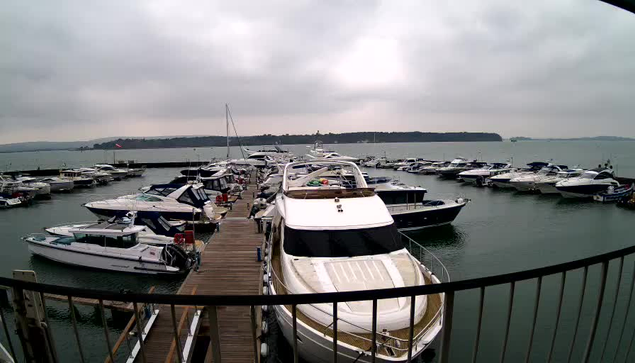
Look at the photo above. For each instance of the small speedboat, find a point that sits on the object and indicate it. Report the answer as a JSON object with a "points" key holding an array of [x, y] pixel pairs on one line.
{"points": [[117, 174], [7, 201], [479, 176], [613, 195], [590, 183], [432, 169], [59, 184], [111, 247]]}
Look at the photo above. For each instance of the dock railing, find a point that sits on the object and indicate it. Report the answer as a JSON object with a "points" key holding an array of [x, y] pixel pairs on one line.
{"points": [[594, 343]]}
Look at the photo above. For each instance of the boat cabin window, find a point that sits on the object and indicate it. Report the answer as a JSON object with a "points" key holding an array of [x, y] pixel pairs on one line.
{"points": [[589, 175], [603, 175], [164, 191], [147, 198], [401, 196], [345, 243], [126, 241]]}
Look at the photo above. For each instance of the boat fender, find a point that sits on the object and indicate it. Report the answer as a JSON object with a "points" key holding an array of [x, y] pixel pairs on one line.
{"points": [[460, 200], [265, 290], [264, 349], [265, 278], [265, 309], [265, 327]]}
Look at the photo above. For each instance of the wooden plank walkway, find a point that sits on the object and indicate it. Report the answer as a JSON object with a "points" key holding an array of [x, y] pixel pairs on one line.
{"points": [[228, 266]]}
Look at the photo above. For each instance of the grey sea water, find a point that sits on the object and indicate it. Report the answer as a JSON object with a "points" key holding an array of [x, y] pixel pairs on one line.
{"points": [[498, 232]]}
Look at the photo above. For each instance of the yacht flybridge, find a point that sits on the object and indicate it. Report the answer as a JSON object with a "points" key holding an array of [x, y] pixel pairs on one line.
{"points": [[332, 235]]}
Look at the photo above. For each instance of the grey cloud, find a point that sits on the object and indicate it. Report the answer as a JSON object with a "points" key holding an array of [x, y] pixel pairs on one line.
{"points": [[69, 67]]}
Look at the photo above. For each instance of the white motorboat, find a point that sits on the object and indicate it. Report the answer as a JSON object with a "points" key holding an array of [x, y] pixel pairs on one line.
{"points": [[111, 247], [502, 181], [80, 180], [116, 173], [548, 185], [13, 188], [181, 202], [58, 184], [10, 202], [479, 176], [157, 230], [100, 177], [590, 183], [353, 245], [527, 182], [404, 164], [42, 189], [135, 172], [432, 168], [457, 166]]}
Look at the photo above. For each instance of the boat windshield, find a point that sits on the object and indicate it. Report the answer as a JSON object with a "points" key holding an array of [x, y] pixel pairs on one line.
{"points": [[147, 198], [342, 243], [588, 175]]}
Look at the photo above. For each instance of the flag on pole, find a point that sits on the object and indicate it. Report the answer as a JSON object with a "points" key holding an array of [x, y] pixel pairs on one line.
{"points": [[118, 146]]}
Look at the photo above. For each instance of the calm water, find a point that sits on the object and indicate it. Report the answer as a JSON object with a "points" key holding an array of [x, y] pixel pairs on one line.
{"points": [[498, 232]]}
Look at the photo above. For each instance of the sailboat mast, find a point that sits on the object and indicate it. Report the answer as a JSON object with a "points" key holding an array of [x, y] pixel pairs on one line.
{"points": [[227, 125]]}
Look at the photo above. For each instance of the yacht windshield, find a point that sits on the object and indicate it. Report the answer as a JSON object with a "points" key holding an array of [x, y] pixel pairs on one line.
{"points": [[588, 175], [344, 243]]}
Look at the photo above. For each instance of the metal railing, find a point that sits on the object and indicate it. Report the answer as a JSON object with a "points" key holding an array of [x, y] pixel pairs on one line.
{"points": [[617, 319]]}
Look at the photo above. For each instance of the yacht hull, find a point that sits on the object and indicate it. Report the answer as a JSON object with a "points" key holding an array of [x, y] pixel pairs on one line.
{"points": [[525, 186], [582, 191], [185, 216], [425, 217], [62, 186], [84, 259], [502, 184]]}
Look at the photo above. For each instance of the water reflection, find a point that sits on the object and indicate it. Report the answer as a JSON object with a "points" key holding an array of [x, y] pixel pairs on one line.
{"points": [[439, 236]]}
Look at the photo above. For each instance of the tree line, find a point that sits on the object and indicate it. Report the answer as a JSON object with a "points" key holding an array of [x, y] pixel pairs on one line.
{"points": [[269, 139]]}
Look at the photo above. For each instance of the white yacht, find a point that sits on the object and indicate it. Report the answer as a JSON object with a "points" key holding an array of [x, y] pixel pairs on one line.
{"points": [[432, 168], [42, 189], [590, 183], [14, 188], [457, 166], [353, 245], [100, 177], [527, 182], [318, 153], [116, 173], [502, 181], [548, 185], [181, 202], [80, 180], [58, 184], [111, 247], [479, 176]]}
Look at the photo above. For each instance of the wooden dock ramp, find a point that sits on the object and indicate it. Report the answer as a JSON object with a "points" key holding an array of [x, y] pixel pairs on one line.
{"points": [[228, 266]]}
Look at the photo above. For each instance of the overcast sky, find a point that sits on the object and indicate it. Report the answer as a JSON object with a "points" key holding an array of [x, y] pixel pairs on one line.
{"points": [[74, 71]]}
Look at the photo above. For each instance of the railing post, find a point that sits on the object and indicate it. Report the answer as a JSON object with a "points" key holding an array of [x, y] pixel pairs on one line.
{"points": [[533, 323], [555, 328], [102, 312], [447, 327], [294, 316], [510, 306], [214, 343], [596, 316], [577, 323], [478, 324], [335, 332], [177, 338], [626, 314], [139, 331], [7, 334], [254, 335], [373, 347], [71, 308], [615, 298], [411, 327]]}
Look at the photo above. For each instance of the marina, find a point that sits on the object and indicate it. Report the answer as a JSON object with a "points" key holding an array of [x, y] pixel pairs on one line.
{"points": [[463, 247]]}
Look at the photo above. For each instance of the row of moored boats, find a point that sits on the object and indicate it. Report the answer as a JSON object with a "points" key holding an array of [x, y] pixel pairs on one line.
{"points": [[20, 190]]}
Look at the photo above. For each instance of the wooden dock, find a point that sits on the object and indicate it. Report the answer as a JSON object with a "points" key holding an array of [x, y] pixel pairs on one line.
{"points": [[228, 266]]}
